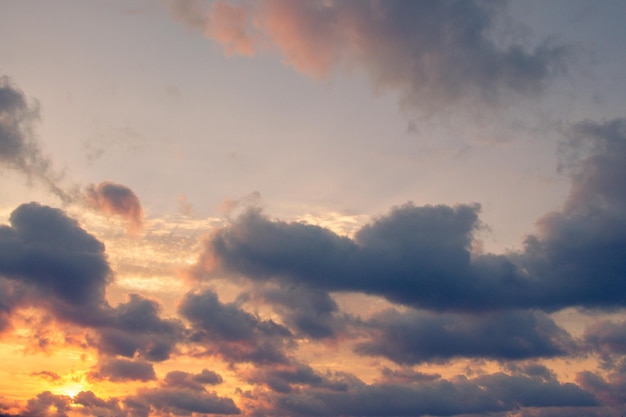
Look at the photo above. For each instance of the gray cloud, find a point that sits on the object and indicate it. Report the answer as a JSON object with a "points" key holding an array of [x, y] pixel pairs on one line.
{"points": [[49, 255], [228, 331], [485, 394], [19, 148], [435, 54], [414, 337], [135, 328], [21, 151], [47, 404], [312, 313], [192, 381], [421, 256], [48, 260], [123, 370], [179, 401]]}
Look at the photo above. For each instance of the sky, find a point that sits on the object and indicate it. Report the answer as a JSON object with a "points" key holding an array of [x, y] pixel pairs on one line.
{"points": [[330, 208]]}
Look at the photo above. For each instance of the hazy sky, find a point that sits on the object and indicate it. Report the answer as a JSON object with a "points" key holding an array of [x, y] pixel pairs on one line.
{"points": [[313, 208]]}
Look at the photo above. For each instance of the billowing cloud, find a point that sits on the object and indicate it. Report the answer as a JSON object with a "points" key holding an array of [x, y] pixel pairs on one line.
{"points": [[49, 255], [421, 256], [47, 260], [47, 404], [135, 328], [433, 53], [414, 337], [90, 404], [181, 402], [192, 381], [113, 199], [312, 313], [485, 394], [225, 329]]}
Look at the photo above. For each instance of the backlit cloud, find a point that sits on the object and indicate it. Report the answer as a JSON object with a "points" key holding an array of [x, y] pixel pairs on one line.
{"points": [[113, 199]]}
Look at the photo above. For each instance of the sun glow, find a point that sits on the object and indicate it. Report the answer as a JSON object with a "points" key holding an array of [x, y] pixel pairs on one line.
{"points": [[72, 389]]}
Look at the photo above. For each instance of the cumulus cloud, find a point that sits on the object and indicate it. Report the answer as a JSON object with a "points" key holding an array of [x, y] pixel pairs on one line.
{"points": [[48, 261], [178, 401], [312, 313], [113, 199], [413, 337], [421, 256], [491, 393], [47, 254], [226, 330], [123, 370], [134, 329], [192, 381], [433, 53]]}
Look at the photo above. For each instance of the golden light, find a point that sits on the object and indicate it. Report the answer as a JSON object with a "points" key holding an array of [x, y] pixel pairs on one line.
{"points": [[71, 389]]}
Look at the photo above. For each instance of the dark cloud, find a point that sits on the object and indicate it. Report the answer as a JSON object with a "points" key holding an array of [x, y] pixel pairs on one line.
{"points": [[608, 340], [421, 256], [229, 331], [19, 148], [47, 404], [56, 260], [116, 200], [414, 336], [311, 313], [91, 405], [192, 381], [611, 389], [47, 260], [294, 377], [135, 328], [48, 375], [182, 402], [578, 253], [406, 376], [433, 53], [123, 370], [485, 394]]}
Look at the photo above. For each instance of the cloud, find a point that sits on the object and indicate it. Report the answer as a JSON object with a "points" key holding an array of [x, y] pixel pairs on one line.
{"points": [[433, 53], [19, 149], [485, 394], [59, 264], [295, 376], [414, 337], [234, 334], [609, 389], [312, 313], [578, 252], [90, 404], [135, 328], [192, 381], [421, 256], [47, 404], [48, 261], [179, 401], [123, 370], [113, 199]]}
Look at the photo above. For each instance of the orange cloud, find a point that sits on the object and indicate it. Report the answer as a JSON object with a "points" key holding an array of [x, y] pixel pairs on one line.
{"points": [[113, 199]]}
